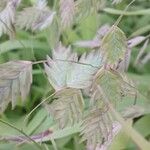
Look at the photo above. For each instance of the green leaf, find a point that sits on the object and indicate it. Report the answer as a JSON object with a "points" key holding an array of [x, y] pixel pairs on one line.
{"points": [[37, 121], [22, 44], [121, 141], [142, 125], [114, 45], [14, 146], [141, 31], [13, 119], [127, 13]]}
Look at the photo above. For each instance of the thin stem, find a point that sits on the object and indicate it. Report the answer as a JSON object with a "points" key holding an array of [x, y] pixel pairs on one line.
{"points": [[49, 134], [35, 59], [70, 61], [39, 62], [11, 31], [131, 132], [37, 138], [55, 4], [28, 137], [121, 16], [47, 98], [129, 13]]}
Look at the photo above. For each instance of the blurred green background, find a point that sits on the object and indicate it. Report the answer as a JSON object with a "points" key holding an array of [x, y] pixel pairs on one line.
{"points": [[37, 45]]}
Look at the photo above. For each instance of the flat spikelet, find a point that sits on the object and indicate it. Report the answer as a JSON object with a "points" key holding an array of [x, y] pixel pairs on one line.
{"points": [[113, 83], [67, 12], [15, 81], [97, 127], [114, 45], [37, 17], [66, 70], [67, 108], [7, 16], [86, 7]]}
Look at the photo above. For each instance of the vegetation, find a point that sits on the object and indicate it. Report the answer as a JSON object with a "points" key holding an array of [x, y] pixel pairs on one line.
{"points": [[74, 74]]}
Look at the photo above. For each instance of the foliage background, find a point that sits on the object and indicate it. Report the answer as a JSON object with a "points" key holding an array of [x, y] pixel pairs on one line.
{"points": [[38, 45]]}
